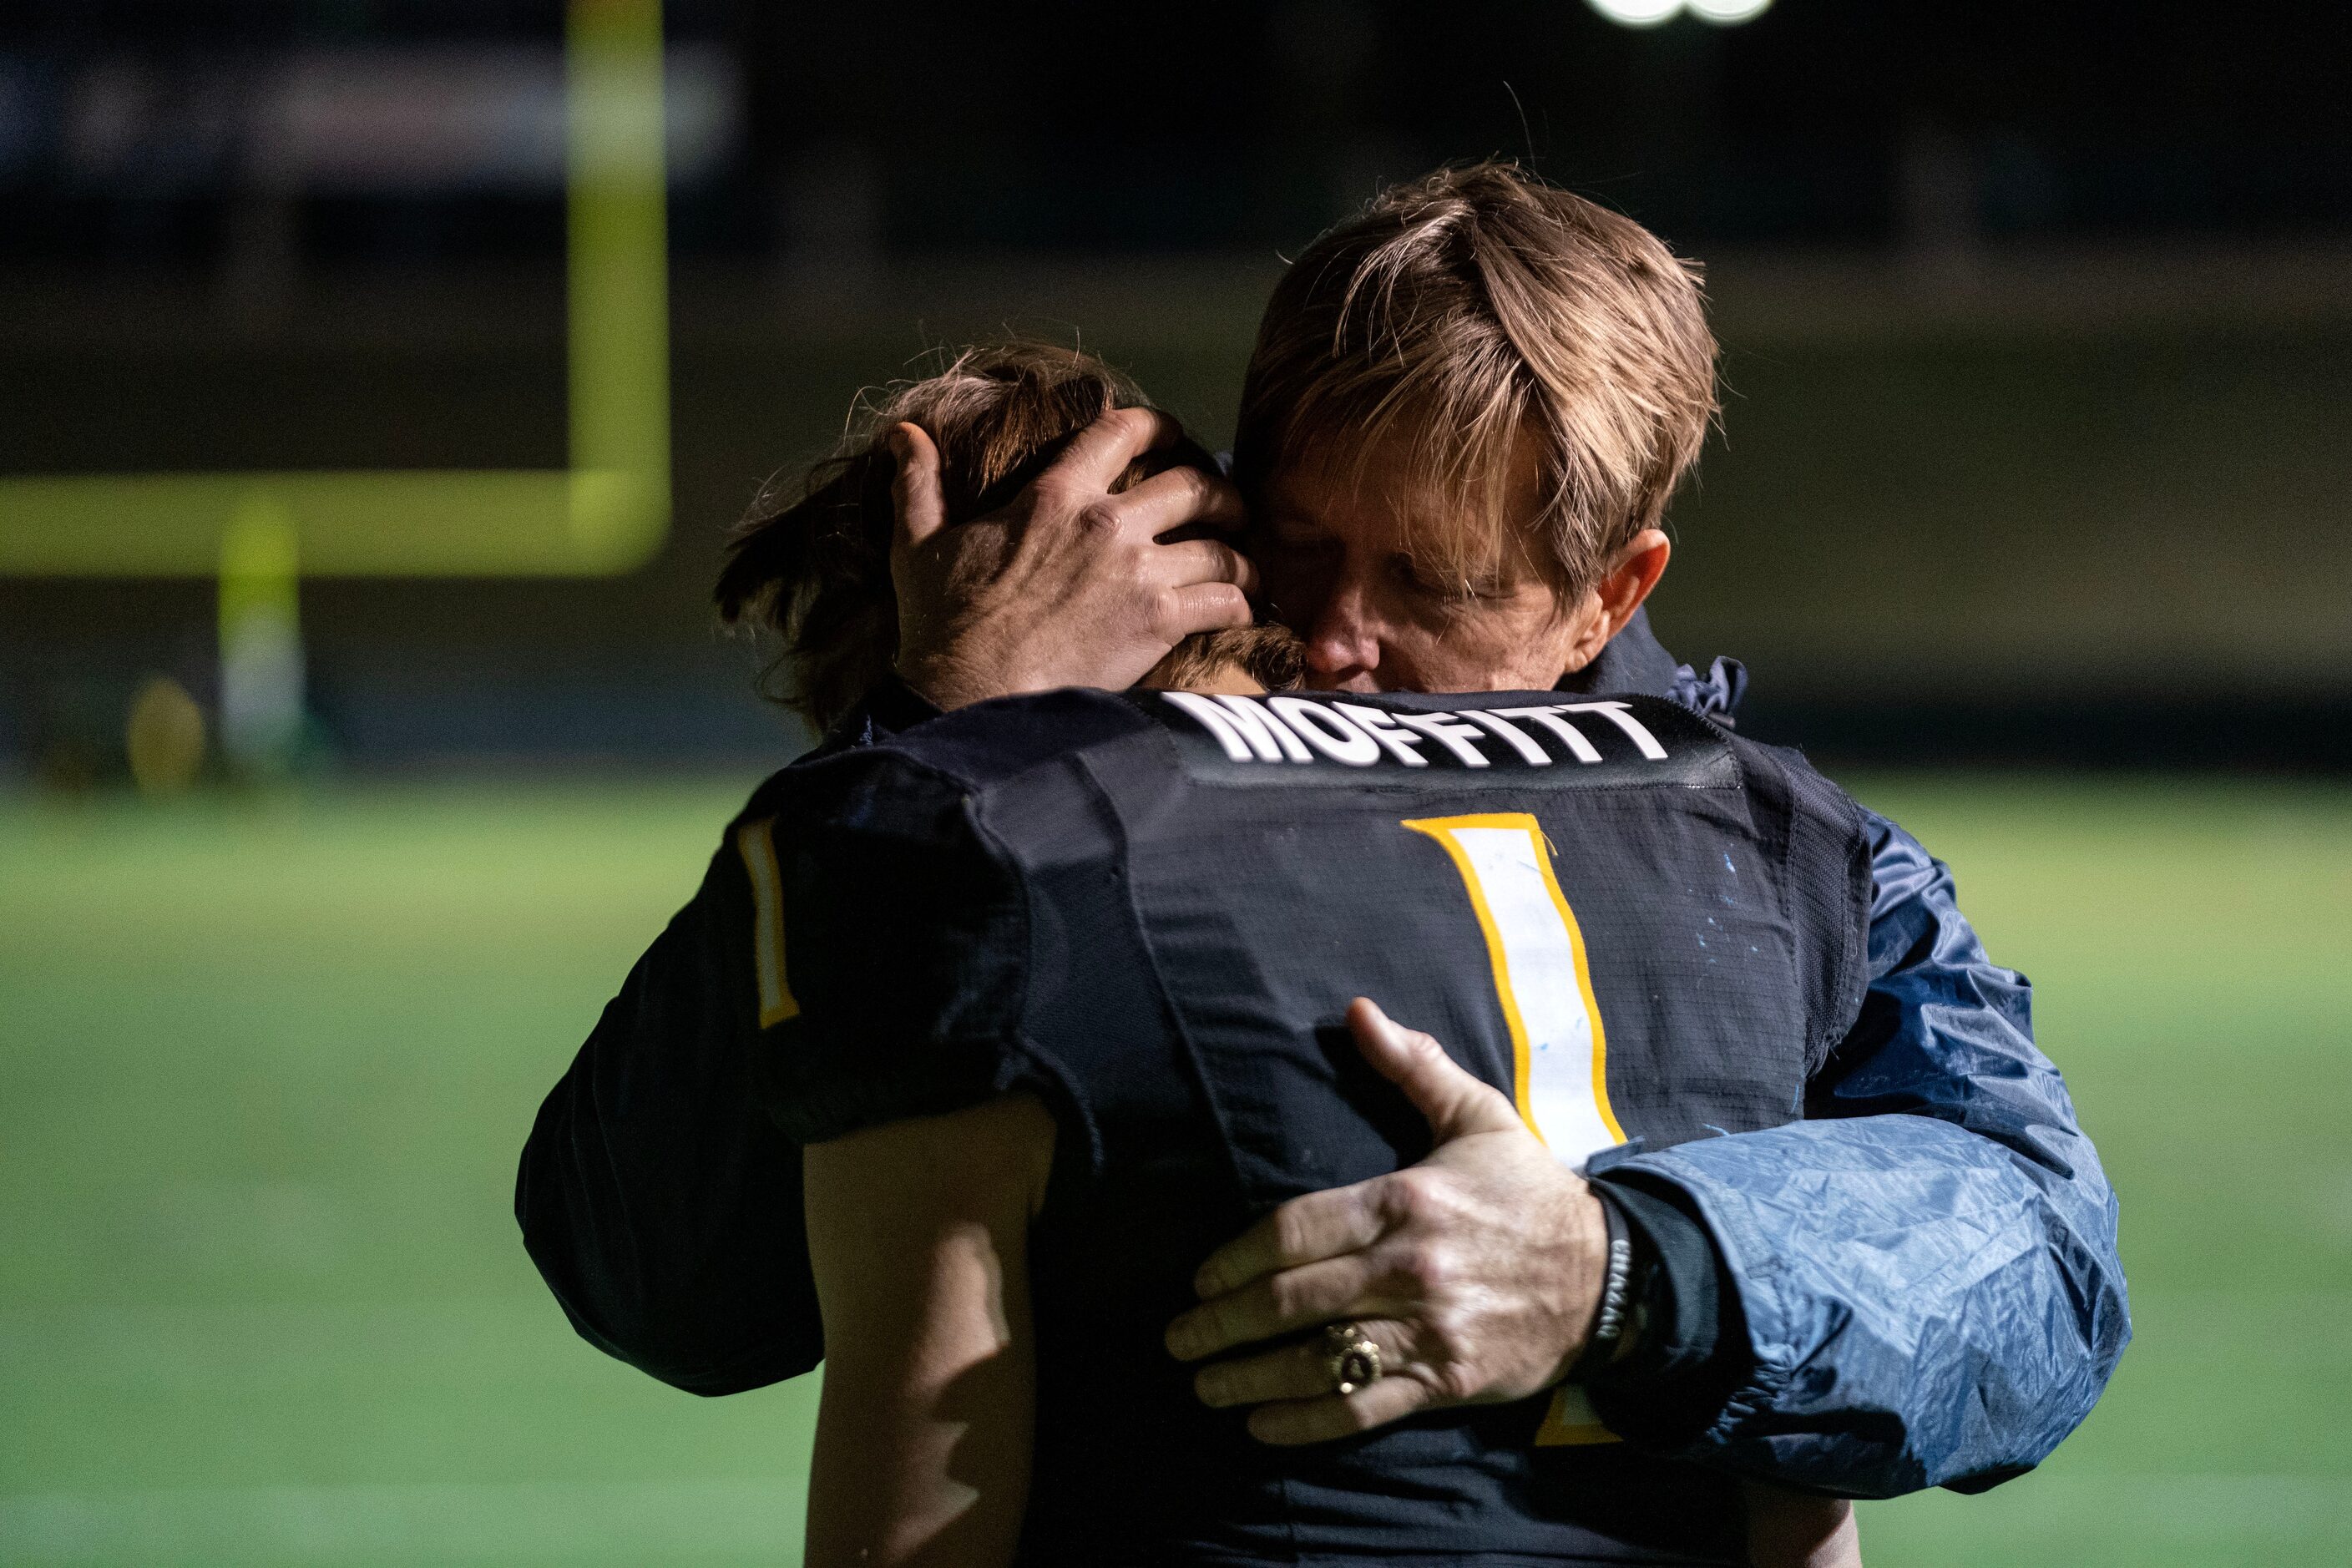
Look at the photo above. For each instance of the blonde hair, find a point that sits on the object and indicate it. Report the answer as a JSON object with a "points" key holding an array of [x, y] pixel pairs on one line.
{"points": [[811, 563], [1485, 317]]}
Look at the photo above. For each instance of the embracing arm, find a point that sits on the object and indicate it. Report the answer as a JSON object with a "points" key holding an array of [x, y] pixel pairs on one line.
{"points": [[1918, 1287], [917, 1231], [1926, 1267], [647, 1190]]}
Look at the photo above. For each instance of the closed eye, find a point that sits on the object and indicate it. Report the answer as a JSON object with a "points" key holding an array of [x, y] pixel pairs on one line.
{"points": [[1413, 576]]}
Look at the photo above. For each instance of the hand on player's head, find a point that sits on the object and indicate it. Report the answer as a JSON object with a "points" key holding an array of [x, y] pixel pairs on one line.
{"points": [[1070, 583], [1020, 521]]}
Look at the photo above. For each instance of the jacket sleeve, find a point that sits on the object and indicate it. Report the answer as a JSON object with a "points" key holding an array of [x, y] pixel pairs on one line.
{"points": [[1927, 1265], [661, 1204], [662, 1207]]}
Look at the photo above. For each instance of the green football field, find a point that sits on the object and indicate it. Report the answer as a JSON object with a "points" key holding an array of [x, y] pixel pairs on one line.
{"points": [[265, 1067]]}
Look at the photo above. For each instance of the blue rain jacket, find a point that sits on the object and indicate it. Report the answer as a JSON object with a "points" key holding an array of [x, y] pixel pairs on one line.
{"points": [[1927, 1262]]}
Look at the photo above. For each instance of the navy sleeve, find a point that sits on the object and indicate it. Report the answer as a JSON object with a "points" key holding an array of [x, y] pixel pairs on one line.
{"points": [[660, 1201], [1926, 1268], [905, 931], [662, 1208]]}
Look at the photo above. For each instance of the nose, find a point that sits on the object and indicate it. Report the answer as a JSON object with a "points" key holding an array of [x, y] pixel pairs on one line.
{"points": [[1343, 645]]}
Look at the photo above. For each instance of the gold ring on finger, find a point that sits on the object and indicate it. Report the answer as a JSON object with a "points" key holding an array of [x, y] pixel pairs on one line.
{"points": [[1349, 1356]]}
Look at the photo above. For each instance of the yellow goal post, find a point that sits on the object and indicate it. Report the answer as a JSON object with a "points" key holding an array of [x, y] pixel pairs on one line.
{"points": [[608, 513]]}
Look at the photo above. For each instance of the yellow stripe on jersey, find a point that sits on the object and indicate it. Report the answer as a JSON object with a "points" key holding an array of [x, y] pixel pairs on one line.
{"points": [[1570, 1422], [755, 841], [1559, 1052]]}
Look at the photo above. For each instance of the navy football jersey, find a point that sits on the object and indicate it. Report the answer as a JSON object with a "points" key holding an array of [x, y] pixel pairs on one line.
{"points": [[1151, 909]]}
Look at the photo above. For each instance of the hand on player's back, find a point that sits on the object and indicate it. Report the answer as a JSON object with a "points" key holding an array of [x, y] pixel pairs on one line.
{"points": [[1068, 586], [1477, 1272]]}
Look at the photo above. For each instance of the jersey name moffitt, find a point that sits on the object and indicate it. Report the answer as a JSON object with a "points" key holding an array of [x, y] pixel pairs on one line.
{"points": [[1288, 728]]}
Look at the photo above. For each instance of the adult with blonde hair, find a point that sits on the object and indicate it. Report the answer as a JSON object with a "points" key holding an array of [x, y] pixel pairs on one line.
{"points": [[1467, 410]]}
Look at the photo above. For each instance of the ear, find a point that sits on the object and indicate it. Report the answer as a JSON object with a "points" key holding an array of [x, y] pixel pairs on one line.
{"points": [[1630, 573]]}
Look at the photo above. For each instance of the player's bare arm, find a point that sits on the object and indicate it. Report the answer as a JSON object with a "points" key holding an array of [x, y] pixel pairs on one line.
{"points": [[917, 1232], [1798, 1530]]}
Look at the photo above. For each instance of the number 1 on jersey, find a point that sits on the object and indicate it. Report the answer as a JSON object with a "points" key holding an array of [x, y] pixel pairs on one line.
{"points": [[1560, 1053], [1558, 1050]]}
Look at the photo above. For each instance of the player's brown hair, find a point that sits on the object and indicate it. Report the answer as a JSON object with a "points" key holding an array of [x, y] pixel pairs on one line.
{"points": [[811, 563], [1486, 317]]}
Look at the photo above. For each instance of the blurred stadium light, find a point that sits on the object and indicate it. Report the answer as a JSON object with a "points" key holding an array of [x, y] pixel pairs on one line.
{"points": [[357, 119], [1638, 13], [1654, 13]]}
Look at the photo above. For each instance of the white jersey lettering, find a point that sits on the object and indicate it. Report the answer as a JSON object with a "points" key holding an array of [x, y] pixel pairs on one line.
{"points": [[1450, 732], [1385, 730], [1327, 730], [1622, 715]]}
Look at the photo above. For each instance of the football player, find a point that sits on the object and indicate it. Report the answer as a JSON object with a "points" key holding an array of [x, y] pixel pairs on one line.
{"points": [[1057, 993]]}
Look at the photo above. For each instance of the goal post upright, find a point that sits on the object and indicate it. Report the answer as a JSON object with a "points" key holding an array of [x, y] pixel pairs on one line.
{"points": [[607, 512]]}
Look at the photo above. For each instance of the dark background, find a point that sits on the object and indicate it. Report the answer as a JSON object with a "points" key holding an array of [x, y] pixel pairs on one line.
{"points": [[2038, 332], [2037, 320]]}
